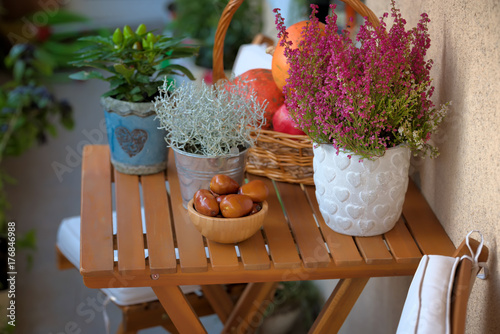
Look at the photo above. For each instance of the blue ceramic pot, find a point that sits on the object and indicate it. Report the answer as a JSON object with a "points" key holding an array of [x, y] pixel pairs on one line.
{"points": [[137, 145]]}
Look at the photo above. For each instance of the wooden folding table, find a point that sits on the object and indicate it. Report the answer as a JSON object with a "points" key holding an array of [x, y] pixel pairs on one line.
{"points": [[294, 244]]}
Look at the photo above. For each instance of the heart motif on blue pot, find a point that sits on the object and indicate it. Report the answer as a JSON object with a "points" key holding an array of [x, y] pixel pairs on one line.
{"points": [[132, 142]]}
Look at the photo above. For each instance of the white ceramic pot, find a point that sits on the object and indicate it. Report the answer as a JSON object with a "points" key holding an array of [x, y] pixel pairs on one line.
{"points": [[360, 198]]}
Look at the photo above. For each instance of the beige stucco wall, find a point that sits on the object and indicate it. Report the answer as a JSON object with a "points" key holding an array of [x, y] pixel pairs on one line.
{"points": [[463, 184]]}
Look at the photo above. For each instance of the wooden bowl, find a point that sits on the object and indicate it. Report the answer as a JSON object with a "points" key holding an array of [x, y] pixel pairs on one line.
{"points": [[227, 230]]}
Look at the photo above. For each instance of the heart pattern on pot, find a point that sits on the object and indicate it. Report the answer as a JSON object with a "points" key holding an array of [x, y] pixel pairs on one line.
{"points": [[366, 225], [390, 221], [397, 160], [383, 178], [132, 142], [354, 211], [368, 197], [342, 162], [329, 174], [354, 179], [361, 198], [396, 193], [381, 210], [342, 194], [330, 207], [370, 165], [320, 190], [319, 154], [345, 224], [326, 216]]}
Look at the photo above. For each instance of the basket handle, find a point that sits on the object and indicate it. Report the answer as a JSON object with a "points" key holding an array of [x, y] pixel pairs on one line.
{"points": [[363, 10], [227, 15], [220, 35]]}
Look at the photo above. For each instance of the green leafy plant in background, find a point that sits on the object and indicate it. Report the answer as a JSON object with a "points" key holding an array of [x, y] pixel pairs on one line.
{"points": [[199, 19], [136, 61], [59, 40], [29, 113], [302, 295], [29, 110]]}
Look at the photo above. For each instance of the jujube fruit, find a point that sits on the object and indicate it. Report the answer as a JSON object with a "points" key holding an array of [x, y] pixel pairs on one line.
{"points": [[205, 203], [256, 190], [223, 184], [256, 208], [236, 206]]}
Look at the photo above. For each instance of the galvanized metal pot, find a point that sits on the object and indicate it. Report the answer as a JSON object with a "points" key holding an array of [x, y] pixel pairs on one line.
{"points": [[195, 171]]}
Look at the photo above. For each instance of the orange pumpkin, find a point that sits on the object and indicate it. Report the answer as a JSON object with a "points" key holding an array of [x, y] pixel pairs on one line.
{"points": [[262, 82], [279, 65]]}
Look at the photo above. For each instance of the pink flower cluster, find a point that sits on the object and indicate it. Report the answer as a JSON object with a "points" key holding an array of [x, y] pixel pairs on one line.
{"points": [[364, 96]]}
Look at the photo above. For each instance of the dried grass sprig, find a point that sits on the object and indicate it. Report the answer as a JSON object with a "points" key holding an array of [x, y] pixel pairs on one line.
{"points": [[210, 120]]}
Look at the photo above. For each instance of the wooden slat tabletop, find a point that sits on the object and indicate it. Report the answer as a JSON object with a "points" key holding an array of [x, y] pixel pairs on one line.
{"points": [[96, 251], [307, 235], [277, 231], [160, 236], [294, 243], [129, 224], [189, 241]]}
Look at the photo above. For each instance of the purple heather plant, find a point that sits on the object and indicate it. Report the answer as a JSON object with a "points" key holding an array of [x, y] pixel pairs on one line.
{"points": [[366, 97]]}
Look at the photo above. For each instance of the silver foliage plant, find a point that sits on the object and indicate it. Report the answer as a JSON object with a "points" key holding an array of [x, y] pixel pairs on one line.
{"points": [[210, 120]]}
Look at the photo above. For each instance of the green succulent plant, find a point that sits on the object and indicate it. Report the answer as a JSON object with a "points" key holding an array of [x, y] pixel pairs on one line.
{"points": [[137, 62]]}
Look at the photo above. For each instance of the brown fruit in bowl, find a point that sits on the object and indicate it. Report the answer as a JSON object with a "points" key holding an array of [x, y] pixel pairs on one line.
{"points": [[205, 203], [223, 184], [221, 197], [236, 206], [256, 190], [256, 208]]}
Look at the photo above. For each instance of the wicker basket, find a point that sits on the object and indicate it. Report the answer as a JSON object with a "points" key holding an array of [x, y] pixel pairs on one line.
{"points": [[278, 156]]}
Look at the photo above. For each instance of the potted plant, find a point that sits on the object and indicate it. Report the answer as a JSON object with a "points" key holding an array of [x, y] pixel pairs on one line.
{"points": [[136, 61], [296, 304], [29, 114], [209, 128], [365, 107]]}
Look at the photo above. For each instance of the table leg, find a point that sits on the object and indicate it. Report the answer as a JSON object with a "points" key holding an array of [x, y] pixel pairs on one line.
{"points": [[249, 311], [219, 299], [178, 309], [339, 305]]}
